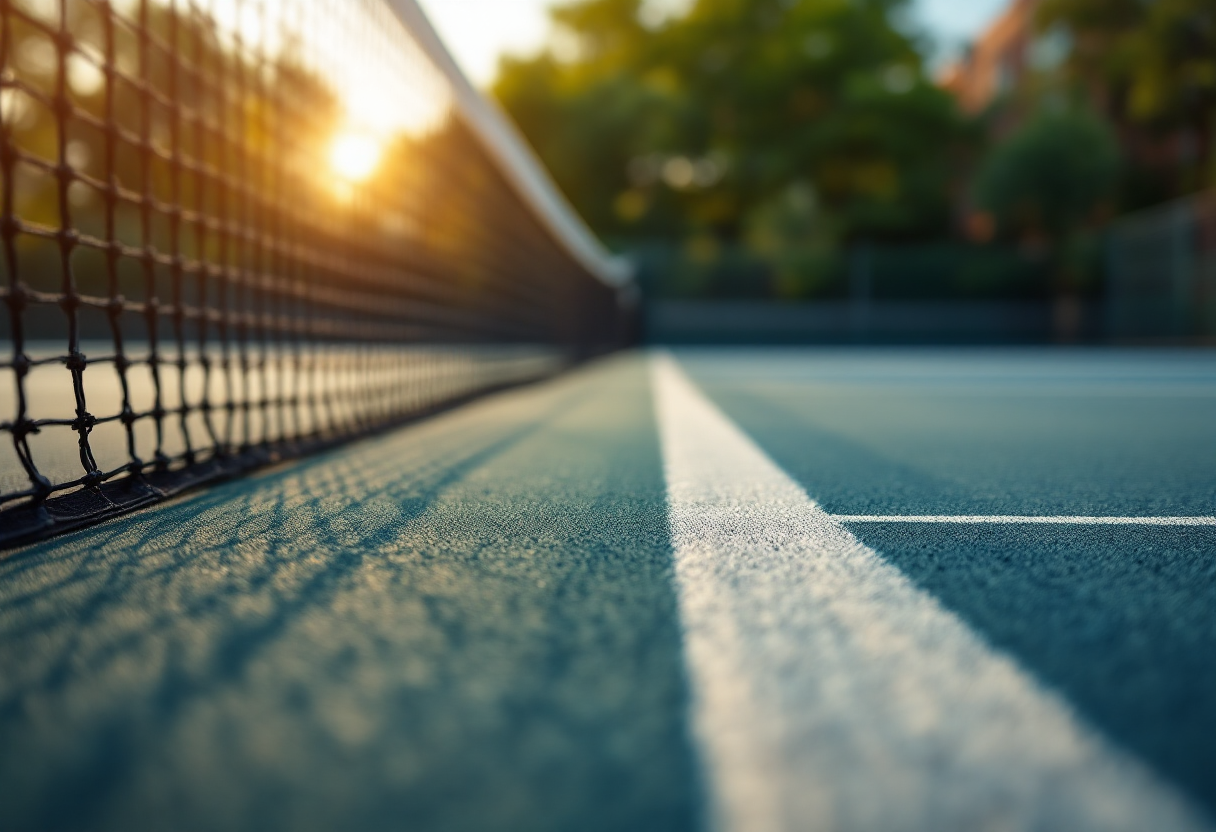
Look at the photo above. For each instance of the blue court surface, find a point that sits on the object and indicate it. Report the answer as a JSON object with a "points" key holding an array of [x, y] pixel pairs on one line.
{"points": [[839, 589]]}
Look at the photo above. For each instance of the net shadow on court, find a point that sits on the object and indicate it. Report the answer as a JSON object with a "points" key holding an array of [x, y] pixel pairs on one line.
{"points": [[466, 624]]}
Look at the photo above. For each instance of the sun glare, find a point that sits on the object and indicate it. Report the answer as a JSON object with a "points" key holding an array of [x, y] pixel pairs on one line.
{"points": [[354, 156]]}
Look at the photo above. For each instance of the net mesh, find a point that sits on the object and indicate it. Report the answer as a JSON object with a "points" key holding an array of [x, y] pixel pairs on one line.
{"points": [[234, 230]]}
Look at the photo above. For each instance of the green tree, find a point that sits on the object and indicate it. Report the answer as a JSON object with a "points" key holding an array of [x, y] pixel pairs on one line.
{"points": [[1048, 182], [1153, 67], [694, 127]]}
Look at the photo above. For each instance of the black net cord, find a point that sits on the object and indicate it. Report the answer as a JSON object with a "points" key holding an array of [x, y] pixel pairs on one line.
{"points": [[191, 286]]}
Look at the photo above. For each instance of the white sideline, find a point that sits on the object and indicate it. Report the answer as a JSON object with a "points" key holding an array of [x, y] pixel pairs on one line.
{"points": [[830, 693], [1017, 519]]}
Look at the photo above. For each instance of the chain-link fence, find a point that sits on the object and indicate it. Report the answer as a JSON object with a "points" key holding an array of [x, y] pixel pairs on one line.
{"points": [[1161, 273]]}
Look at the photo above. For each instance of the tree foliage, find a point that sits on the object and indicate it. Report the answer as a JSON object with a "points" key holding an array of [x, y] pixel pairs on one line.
{"points": [[1154, 66], [701, 124], [1051, 176]]}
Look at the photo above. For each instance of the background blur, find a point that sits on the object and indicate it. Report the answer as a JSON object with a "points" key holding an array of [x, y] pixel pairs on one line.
{"points": [[819, 170]]}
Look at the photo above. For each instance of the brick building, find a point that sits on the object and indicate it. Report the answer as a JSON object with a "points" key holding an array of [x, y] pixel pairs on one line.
{"points": [[1003, 57], [997, 60]]}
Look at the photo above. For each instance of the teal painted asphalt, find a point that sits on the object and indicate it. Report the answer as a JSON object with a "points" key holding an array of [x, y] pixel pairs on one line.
{"points": [[467, 625], [471, 623], [1120, 619]]}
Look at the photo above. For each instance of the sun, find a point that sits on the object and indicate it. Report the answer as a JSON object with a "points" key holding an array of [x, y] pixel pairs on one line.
{"points": [[354, 156]]}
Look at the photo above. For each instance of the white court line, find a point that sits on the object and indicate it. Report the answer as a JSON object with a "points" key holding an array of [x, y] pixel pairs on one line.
{"points": [[830, 693], [1017, 519]]}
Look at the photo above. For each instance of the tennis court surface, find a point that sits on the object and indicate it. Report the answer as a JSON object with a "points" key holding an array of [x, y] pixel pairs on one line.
{"points": [[734, 589]]}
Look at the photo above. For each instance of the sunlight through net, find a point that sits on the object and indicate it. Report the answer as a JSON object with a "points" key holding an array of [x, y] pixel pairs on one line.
{"points": [[232, 231]]}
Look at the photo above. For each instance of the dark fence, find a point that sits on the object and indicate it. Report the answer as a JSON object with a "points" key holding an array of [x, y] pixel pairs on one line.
{"points": [[1161, 273], [1149, 277], [911, 271], [871, 322]]}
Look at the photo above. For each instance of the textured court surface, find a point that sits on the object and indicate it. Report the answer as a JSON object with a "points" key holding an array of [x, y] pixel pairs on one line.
{"points": [[483, 622]]}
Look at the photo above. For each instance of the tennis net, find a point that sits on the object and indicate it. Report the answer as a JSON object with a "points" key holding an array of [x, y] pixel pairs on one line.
{"points": [[234, 231]]}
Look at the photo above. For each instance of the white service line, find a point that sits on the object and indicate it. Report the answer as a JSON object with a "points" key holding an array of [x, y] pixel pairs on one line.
{"points": [[830, 693], [1017, 519]]}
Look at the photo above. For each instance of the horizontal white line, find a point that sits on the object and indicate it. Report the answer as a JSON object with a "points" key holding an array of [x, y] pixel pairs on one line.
{"points": [[829, 692], [1018, 519], [971, 391]]}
